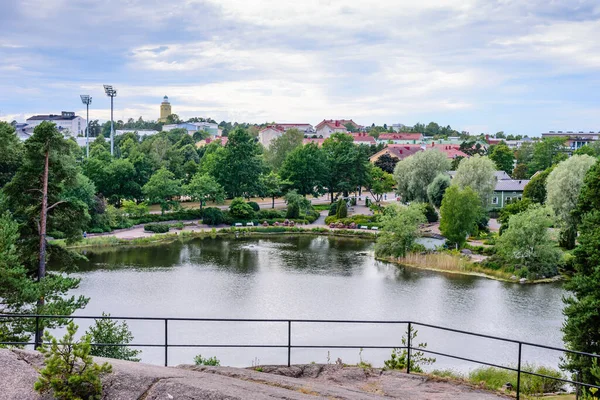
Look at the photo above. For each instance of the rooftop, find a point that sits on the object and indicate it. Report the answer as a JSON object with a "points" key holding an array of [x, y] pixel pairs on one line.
{"points": [[64, 116]]}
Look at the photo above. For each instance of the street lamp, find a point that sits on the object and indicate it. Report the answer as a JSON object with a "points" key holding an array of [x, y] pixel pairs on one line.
{"points": [[112, 93], [87, 100]]}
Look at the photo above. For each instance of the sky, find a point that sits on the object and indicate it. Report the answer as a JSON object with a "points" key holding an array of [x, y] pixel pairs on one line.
{"points": [[522, 67]]}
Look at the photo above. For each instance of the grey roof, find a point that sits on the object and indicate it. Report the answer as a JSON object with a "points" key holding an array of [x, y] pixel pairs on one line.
{"points": [[500, 175], [511, 185], [51, 117]]}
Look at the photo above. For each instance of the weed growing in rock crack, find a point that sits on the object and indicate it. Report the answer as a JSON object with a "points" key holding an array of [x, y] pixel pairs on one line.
{"points": [[211, 361]]}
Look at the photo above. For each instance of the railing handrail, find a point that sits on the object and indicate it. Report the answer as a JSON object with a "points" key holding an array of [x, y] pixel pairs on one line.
{"points": [[289, 346]]}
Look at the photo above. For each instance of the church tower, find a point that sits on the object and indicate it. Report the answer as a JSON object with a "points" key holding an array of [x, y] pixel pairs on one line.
{"points": [[165, 109]]}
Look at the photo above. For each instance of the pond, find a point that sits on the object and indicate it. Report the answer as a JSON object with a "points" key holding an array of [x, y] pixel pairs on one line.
{"points": [[311, 277]]}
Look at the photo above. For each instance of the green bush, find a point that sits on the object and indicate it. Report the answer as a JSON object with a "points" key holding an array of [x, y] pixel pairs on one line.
{"points": [[212, 361], [111, 332], [182, 215], [311, 216], [293, 211], [254, 206], [494, 378], [342, 210], [430, 213], [178, 225], [399, 357], [240, 210], [157, 228], [269, 214], [70, 372], [213, 216], [333, 209]]}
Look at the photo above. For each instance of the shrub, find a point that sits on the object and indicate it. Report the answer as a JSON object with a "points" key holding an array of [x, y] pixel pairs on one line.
{"points": [[178, 225], [254, 206], [156, 228], [185, 214], [293, 211], [241, 210], [311, 216], [430, 213], [213, 216], [494, 378], [333, 209], [134, 210], [269, 214], [342, 210], [399, 358], [70, 372], [212, 361], [110, 331]]}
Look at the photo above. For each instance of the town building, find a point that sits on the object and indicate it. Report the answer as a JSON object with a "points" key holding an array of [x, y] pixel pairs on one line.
{"points": [[193, 127], [67, 123], [505, 191], [363, 138], [222, 140], [270, 132], [574, 140], [140, 132], [165, 109], [400, 138], [327, 127], [401, 151]]}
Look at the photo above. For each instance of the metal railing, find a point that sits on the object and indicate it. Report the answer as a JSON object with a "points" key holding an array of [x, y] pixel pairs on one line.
{"points": [[289, 345]]}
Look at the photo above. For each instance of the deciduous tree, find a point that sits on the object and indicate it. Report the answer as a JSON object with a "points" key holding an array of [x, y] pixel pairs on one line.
{"points": [[282, 146], [478, 173], [460, 211], [161, 188], [437, 188], [415, 173], [305, 168], [11, 152], [503, 157], [400, 229], [204, 187], [387, 163]]}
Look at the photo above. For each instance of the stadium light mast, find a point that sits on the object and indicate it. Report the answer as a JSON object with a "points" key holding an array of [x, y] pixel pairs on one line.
{"points": [[87, 100], [112, 93]]}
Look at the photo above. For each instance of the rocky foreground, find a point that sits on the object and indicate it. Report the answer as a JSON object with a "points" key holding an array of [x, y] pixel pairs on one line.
{"points": [[131, 380]]}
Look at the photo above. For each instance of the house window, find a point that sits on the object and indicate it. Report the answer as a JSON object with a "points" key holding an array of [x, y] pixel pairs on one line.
{"points": [[495, 200], [507, 200]]}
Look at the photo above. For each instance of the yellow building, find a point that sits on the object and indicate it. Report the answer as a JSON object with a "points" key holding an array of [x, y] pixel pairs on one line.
{"points": [[165, 109]]}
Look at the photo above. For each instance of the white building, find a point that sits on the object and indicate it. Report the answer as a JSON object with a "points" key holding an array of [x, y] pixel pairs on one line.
{"points": [[268, 134], [191, 127], [140, 132], [67, 122]]}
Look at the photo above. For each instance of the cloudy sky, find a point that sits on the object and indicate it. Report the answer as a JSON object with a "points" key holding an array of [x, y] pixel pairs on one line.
{"points": [[479, 65]]}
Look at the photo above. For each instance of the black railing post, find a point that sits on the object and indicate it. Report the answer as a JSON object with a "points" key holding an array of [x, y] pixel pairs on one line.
{"points": [[38, 339], [409, 335], [519, 373], [289, 343], [166, 341]]}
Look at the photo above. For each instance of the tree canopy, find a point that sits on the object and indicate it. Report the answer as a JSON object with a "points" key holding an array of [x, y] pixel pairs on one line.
{"points": [[479, 174], [460, 211], [415, 173]]}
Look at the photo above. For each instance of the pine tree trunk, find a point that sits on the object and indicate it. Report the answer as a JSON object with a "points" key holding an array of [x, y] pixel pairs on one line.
{"points": [[42, 265]]}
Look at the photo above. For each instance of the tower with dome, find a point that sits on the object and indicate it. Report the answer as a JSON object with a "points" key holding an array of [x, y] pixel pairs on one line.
{"points": [[165, 109]]}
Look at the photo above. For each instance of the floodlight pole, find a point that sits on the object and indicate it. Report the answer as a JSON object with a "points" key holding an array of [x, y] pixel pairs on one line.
{"points": [[87, 100], [112, 93]]}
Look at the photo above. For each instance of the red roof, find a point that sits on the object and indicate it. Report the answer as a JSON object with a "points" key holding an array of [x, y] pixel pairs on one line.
{"points": [[401, 136], [363, 138], [274, 127], [336, 123], [402, 151]]}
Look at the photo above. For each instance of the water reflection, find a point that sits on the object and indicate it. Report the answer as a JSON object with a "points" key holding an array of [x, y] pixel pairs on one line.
{"points": [[313, 277]]}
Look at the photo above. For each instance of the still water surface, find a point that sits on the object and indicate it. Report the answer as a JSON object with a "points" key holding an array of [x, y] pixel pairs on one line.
{"points": [[311, 277]]}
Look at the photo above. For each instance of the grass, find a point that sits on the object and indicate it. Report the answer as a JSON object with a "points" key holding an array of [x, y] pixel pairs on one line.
{"points": [[492, 378]]}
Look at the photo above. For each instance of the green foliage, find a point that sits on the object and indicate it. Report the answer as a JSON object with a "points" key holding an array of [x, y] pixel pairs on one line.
{"points": [[387, 163], [379, 182], [213, 216], [535, 190], [581, 306], [527, 242], [520, 172], [415, 173], [430, 214], [494, 378], [11, 153], [437, 189], [157, 228], [514, 207], [240, 210], [346, 164], [210, 361], [562, 187], [254, 206], [305, 169], [399, 357], [272, 186], [282, 146], [503, 157], [459, 213], [108, 331], [400, 229], [293, 211], [478, 173], [134, 210], [546, 153], [204, 187], [342, 209], [333, 209], [162, 187], [70, 373]]}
